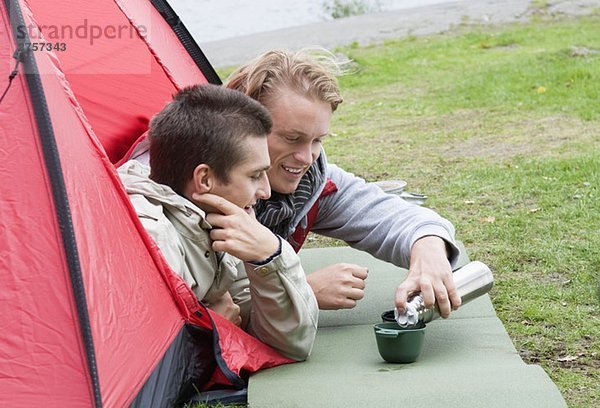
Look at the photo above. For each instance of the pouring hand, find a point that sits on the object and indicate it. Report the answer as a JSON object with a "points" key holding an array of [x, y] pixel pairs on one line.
{"points": [[430, 273]]}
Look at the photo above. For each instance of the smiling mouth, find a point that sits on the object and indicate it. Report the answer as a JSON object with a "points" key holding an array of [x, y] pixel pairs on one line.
{"points": [[293, 170]]}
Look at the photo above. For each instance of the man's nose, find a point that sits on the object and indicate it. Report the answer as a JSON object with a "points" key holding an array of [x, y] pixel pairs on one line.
{"points": [[305, 154], [264, 190]]}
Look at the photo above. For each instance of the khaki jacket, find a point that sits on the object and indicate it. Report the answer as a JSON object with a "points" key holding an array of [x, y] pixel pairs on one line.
{"points": [[277, 304]]}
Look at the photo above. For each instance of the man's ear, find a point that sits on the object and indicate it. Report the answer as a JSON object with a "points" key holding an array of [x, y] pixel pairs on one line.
{"points": [[203, 179]]}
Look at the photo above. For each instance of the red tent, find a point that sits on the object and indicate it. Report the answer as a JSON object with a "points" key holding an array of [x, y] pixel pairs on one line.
{"points": [[90, 313]]}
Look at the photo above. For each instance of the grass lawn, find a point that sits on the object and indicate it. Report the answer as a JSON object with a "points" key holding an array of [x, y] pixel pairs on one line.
{"points": [[500, 127]]}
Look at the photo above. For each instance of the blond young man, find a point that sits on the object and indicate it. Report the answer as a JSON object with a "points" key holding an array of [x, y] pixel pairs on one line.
{"points": [[310, 194]]}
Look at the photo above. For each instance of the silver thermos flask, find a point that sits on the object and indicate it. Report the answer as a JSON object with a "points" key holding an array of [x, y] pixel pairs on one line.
{"points": [[472, 280]]}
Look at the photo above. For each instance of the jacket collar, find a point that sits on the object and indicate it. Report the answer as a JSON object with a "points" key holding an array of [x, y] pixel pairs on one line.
{"points": [[136, 180]]}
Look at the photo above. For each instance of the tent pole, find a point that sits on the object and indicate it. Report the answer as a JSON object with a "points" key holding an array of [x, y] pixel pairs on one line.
{"points": [[188, 42]]}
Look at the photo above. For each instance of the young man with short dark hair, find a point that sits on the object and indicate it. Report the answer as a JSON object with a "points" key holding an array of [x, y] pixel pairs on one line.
{"points": [[208, 159]]}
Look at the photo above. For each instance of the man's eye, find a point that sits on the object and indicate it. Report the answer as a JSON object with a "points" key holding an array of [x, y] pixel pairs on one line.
{"points": [[291, 139]]}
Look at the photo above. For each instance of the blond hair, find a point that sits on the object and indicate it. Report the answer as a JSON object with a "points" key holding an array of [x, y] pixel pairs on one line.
{"points": [[309, 72]]}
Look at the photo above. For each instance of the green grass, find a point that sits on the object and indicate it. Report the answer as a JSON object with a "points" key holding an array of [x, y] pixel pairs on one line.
{"points": [[500, 127], [523, 68]]}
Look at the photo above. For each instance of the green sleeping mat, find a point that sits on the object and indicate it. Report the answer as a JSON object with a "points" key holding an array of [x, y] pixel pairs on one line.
{"points": [[468, 360]]}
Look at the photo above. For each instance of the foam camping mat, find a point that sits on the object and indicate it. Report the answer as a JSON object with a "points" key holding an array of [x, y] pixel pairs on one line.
{"points": [[467, 360]]}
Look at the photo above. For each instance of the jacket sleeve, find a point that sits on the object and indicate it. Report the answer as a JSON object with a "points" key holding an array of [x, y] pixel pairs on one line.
{"points": [[279, 306], [381, 224]]}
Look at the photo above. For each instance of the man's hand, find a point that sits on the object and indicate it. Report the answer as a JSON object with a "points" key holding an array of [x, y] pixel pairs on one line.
{"points": [[237, 232], [430, 274], [226, 308], [338, 286]]}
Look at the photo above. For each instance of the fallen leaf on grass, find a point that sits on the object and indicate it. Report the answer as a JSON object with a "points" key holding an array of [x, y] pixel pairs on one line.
{"points": [[541, 89], [490, 218]]}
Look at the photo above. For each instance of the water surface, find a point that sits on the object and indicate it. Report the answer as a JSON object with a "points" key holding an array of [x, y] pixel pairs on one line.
{"points": [[210, 20]]}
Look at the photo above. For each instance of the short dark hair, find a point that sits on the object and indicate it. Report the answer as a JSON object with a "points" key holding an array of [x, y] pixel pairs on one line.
{"points": [[203, 124]]}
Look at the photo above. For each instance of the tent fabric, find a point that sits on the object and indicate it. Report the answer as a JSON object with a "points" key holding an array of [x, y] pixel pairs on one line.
{"points": [[145, 51], [27, 214], [90, 312], [187, 362]]}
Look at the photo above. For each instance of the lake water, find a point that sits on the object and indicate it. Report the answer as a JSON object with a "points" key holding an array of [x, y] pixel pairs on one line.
{"points": [[210, 20]]}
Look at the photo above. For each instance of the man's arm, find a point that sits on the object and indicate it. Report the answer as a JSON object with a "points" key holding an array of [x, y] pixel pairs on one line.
{"points": [[381, 224], [389, 228], [164, 235], [282, 307]]}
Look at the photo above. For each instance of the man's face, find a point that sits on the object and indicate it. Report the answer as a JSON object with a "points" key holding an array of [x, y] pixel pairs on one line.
{"points": [[299, 126], [248, 181]]}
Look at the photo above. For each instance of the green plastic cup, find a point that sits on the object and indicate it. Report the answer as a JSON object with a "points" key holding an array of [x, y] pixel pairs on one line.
{"points": [[399, 345]]}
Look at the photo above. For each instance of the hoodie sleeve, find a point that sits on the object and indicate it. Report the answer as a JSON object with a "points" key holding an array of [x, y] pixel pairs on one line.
{"points": [[281, 307], [381, 224]]}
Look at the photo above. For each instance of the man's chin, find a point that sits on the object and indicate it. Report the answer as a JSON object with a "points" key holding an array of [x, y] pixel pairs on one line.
{"points": [[287, 188]]}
